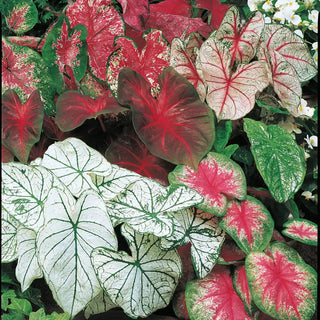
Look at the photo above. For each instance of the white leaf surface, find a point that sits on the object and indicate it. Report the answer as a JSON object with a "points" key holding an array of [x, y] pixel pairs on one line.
{"points": [[99, 304]]}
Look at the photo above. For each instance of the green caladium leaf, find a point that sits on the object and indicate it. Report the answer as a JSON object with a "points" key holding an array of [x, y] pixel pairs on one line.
{"points": [[99, 304], [201, 229], [21, 305], [72, 160], [223, 133], [146, 204], [143, 282], [64, 256], [278, 158]]}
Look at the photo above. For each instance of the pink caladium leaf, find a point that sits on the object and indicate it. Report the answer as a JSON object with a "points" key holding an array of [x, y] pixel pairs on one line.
{"points": [[214, 297], [281, 283], [73, 109], [242, 41], [27, 41], [149, 62], [178, 7], [176, 126], [302, 230], [92, 87], [103, 23], [6, 155], [230, 94], [217, 179], [230, 252], [249, 223], [21, 123]]}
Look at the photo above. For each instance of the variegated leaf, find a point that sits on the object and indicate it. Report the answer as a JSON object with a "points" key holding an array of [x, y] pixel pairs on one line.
{"points": [[99, 304]]}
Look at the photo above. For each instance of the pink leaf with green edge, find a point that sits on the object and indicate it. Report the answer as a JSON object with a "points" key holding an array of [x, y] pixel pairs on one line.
{"points": [[21, 123], [27, 41], [230, 252], [73, 109], [302, 230], [103, 23], [230, 94], [179, 305], [176, 126], [149, 62], [249, 223], [6, 155], [243, 41], [281, 283], [178, 7], [130, 153], [214, 297], [293, 48], [217, 179]]}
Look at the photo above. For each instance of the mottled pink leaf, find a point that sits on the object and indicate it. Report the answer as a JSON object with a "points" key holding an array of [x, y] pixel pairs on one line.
{"points": [[178, 7], [176, 126], [301, 230], [230, 252], [103, 23], [91, 87], [217, 179], [21, 123], [281, 283], [249, 223], [6, 155], [27, 41]]}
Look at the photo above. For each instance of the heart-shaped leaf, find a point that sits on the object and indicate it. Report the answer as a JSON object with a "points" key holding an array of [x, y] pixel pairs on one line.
{"points": [[64, 255], [301, 230], [99, 304], [148, 62], [103, 23], [21, 123], [27, 41], [72, 160], [177, 7], [201, 229], [177, 126], [281, 283], [230, 94], [276, 154], [143, 282], [217, 179], [249, 223]]}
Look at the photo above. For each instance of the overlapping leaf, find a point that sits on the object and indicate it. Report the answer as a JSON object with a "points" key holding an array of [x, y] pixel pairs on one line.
{"points": [[179, 305], [27, 41], [217, 178], [281, 283], [91, 87], [177, 126], [64, 255], [230, 252], [99, 304], [6, 155], [143, 282], [177, 7]]}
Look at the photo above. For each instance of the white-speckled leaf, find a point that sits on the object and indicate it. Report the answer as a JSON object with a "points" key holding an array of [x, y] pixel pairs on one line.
{"points": [[143, 282], [99, 304], [72, 230], [72, 160]]}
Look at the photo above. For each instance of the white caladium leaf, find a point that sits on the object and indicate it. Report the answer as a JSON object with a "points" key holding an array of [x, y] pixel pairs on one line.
{"points": [[230, 94], [143, 282], [64, 244], [201, 229], [145, 205], [99, 304], [28, 267], [72, 160]]}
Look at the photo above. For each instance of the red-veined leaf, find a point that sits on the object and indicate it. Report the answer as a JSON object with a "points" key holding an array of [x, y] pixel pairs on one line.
{"points": [[136, 36], [39, 148], [179, 305], [217, 179], [214, 297], [103, 23], [243, 41], [230, 252], [70, 82], [176, 127], [149, 62], [21, 123], [178, 7], [249, 223], [230, 95], [281, 283], [301, 230], [130, 153], [51, 130], [73, 108], [27, 41], [6, 155]]}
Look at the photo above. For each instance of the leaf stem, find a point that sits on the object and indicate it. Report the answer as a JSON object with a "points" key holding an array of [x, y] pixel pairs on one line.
{"points": [[103, 128]]}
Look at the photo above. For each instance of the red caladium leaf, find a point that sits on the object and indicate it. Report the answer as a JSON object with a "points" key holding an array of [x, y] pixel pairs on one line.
{"points": [[179, 305], [243, 41], [73, 109], [176, 127], [136, 35], [6, 155], [103, 23], [301, 230], [178, 7], [21, 123], [39, 148], [230, 252], [281, 283], [217, 179], [27, 41], [249, 223], [51, 130], [214, 297], [70, 82], [230, 95], [130, 153], [149, 62], [188, 272]]}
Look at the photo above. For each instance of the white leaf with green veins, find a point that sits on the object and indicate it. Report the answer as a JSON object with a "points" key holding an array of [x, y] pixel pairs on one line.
{"points": [[72, 229], [72, 161], [28, 267], [201, 229], [145, 205], [143, 282]]}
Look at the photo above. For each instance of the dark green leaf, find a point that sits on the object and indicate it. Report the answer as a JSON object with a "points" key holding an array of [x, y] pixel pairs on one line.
{"points": [[271, 108], [230, 150], [243, 155], [223, 133]]}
